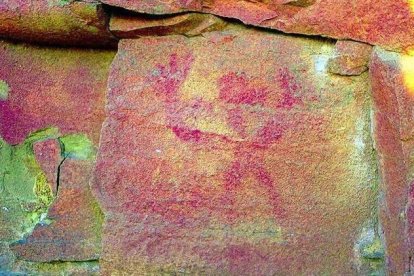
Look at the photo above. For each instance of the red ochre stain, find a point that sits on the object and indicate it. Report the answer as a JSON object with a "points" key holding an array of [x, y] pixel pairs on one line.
{"points": [[236, 121], [233, 89], [187, 134], [237, 89], [290, 88], [271, 132], [244, 164], [168, 79]]}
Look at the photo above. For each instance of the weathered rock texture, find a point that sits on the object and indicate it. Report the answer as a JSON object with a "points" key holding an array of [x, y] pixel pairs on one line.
{"points": [[130, 26], [212, 164], [43, 93], [207, 146], [62, 22], [381, 22], [391, 80], [47, 210]]}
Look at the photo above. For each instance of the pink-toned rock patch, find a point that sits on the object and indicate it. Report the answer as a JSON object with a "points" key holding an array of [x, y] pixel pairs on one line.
{"points": [[381, 22], [210, 163]]}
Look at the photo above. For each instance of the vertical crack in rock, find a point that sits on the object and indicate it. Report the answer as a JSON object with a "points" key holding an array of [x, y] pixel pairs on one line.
{"points": [[58, 175], [74, 231]]}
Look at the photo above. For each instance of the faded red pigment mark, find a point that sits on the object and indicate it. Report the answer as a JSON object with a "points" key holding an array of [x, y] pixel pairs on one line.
{"points": [[271, 132], [238, 89], [290, 87], [233, 89], [236, 121], [168, 79], [244, 164], [187, 134]]}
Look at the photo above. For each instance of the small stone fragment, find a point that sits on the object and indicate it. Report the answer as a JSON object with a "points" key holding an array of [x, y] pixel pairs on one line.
{"points": [[208, 24], [42, 134], [351, 58]]}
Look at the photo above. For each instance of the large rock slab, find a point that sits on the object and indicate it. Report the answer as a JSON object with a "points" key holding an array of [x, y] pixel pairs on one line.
{"points": [[64, 88], [61, 22], [379, 22], [235, 153], [392, 78], [72, 231], [46, 203]]}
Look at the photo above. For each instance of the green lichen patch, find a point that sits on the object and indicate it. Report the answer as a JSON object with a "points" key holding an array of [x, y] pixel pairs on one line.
{"points": [[370, 248], [373, 250], [42, 134], [43, 191], [25, 194], [58, 3], [4, 90], [77, 146]]}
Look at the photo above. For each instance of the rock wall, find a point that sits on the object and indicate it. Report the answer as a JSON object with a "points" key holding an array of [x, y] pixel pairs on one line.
{"points": [[206, 137]]}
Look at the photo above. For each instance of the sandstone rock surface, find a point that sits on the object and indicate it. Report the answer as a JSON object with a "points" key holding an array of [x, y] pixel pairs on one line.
{"points": [[391, 80], [351, 58], [61, 22], [213, 143], [43, 92], [134, 26], [47, 210], [210, 163], [381, 22]]}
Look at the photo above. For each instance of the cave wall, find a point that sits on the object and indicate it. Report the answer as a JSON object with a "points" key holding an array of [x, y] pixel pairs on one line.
{"points": [[206, 137]]}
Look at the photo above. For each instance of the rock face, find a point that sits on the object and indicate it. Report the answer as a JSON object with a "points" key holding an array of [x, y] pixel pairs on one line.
{"points": [[63, 22], [351, 58], [211, 143], [48, 213], [391, 80], [380, 22], [71, 231], [42, 92], [209, 163], [131, 26]]}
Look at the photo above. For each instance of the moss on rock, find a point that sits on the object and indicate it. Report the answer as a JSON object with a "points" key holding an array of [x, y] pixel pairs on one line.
{"points": [[4, 90], [77, 146]]}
